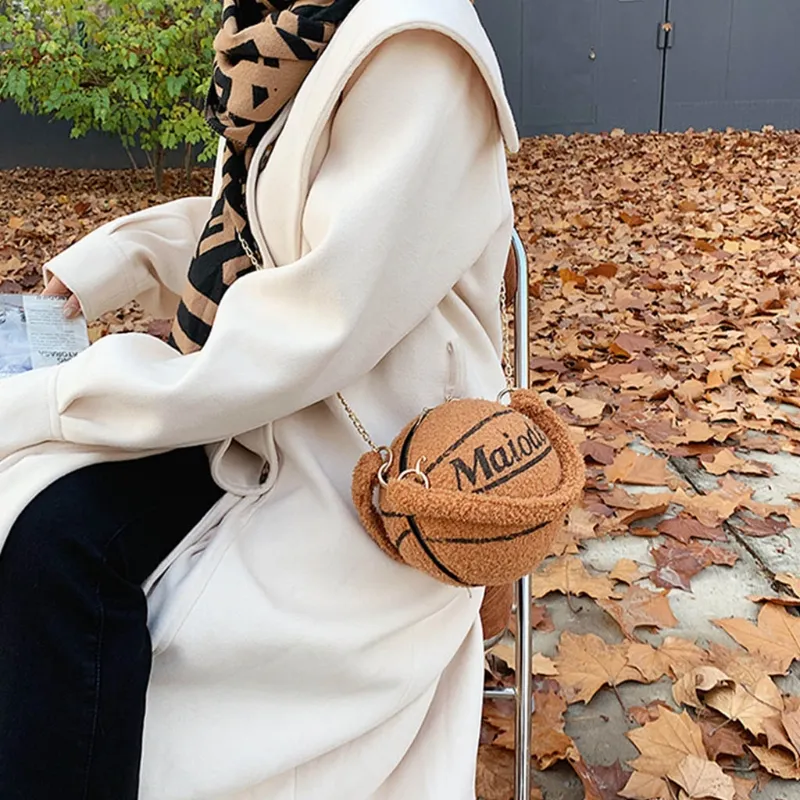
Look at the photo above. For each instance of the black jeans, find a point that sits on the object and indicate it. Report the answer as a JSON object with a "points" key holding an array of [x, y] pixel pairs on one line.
{"points": [[75, 652]]}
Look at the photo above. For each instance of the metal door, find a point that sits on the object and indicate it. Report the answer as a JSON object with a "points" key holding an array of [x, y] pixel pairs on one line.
{"points": [[579, 65], [732, 63]]}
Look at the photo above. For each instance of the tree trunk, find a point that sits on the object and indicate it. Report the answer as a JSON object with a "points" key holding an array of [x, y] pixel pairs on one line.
{"points": [[158, 167]]}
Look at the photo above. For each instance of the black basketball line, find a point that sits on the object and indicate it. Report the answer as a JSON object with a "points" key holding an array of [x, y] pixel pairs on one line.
{"points": [[474, 429], [424, 545], [532, 463], [391, 514], [506, 538], [401, 537], [412, 523]]}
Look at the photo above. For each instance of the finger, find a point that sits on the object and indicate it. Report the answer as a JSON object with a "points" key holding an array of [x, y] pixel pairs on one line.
{"points": [[56, 287], [72, 308]]}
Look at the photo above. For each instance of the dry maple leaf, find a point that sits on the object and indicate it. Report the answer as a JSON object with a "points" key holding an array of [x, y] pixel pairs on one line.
{"points": [[638, 469], [587, 663], [777, 635], [665, 743], [777, 762], [585, 408], [700, 679], [701, 778], [744, 788], [720, 737], [599, 782], [674, 657], [777, 736], [675, 566], [495, 774], [758, 527], [685, 528], [681, 655], [791, 723], [639, 608], [749, 705], [714, 507], [598, 452], [744, 668], [540, 664], [627, 571], [727, 461], [569, 576], [778, 600], [646, 787], [792, 581], [551, 743]]}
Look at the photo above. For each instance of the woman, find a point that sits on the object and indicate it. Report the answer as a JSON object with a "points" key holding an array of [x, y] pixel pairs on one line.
{"points": [[292, 658]]}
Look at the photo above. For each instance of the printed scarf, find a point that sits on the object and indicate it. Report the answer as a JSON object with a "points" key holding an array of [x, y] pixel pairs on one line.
{"points": [[264, 51]]}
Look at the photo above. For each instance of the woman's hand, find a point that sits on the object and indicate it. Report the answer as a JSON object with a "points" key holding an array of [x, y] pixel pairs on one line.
{"points": [[55, 287]]}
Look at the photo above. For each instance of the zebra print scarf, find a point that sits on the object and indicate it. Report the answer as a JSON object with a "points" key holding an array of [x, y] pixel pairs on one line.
{"points": [[264, 51]]}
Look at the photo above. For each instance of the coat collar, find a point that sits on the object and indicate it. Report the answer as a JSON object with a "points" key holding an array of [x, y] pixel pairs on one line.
{"points": [[371, 23]]}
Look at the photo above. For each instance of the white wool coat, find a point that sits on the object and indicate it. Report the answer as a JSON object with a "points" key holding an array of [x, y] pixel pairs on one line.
{"points": [[293, 659]]}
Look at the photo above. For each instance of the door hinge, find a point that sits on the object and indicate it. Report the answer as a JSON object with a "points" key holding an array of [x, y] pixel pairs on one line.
{"points": [[666, 35]]}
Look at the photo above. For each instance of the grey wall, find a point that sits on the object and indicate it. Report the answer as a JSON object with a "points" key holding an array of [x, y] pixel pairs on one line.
{"points": [[595, 65], [733, 63], [576, 65], [28, 141]]}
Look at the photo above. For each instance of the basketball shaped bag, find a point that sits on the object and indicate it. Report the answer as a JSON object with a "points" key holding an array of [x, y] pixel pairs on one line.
{"points": [[472, 492]]}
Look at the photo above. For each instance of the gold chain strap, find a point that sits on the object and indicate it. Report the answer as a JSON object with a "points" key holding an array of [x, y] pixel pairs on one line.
{"points": [[358, 424], [255, 260], [508, 367], [505, 321]]}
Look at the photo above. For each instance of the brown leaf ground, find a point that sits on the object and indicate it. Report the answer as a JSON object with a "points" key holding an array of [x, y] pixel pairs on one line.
{"points": [[665, 274]]}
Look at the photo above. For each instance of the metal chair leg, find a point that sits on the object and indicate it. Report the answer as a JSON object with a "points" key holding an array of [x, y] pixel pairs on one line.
{"points": [[522, 692], [524, 641]]}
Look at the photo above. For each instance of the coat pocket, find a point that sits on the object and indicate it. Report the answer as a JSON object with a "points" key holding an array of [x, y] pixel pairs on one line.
{"points": [[181, 579]]}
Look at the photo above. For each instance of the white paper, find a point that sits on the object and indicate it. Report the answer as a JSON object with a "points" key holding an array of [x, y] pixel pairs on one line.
{"points": [[34, 333]]}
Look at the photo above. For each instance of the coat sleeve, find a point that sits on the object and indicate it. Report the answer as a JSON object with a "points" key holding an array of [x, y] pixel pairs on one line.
{"points": [[410, 193], [143, 256]]}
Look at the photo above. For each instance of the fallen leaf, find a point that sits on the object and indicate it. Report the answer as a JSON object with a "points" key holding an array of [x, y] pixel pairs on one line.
{"points": [[778, 600], [758, 527], [550, 744], [748, 705], [720, 737], [727, 461], [495, 773], [685, 528], [702, 778], [542, 665], [639, 469], [598, 452], [792, 581], [569, 576], [599, 782], [703, 678], [585, 408], [627, 571], [776, 636], [744, 788], [777, 762], [665, 743], [639, 608], [645, 787], [586, 664]]}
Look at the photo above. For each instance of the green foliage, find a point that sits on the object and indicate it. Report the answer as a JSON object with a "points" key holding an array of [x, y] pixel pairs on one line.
{"points": [[139, 69]]}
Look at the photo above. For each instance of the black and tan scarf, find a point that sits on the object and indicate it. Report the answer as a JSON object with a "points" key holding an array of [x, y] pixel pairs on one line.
{"points": [[264, 51]]}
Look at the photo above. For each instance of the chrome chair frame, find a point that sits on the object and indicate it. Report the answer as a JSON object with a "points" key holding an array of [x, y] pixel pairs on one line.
{"points": [[522, 691]]}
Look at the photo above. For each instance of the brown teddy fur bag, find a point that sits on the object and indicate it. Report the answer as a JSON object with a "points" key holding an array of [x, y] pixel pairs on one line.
{"points": [[472, 492]]}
